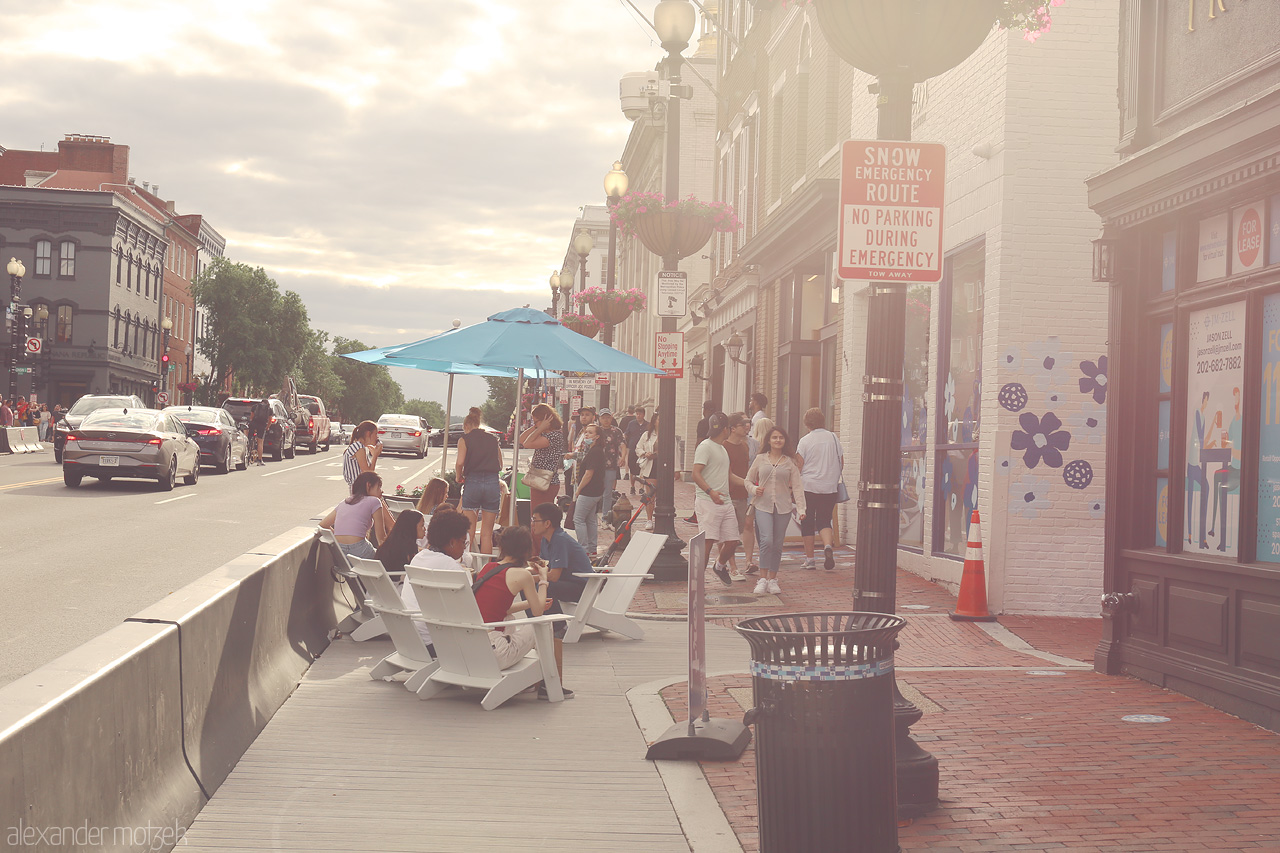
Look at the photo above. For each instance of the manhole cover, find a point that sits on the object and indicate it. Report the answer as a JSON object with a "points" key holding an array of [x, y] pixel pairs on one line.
{"points": [[1145, 718]]}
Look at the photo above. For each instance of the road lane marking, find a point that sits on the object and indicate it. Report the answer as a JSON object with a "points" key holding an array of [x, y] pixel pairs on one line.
{"points": [[178, 498], [30, 483], [294, 467]]}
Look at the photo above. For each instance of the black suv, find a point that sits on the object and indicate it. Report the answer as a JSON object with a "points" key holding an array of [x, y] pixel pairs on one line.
{"points": [[314, 428], [86, 404], [281, 439]]}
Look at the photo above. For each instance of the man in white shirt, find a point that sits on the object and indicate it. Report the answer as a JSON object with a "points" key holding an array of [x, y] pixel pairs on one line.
{"points": [[446, 541], [821, 471], [711, 474], [759, 403]]}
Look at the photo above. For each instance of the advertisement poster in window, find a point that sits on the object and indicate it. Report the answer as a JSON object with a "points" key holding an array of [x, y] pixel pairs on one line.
{"points": [[1269, 435], [1215, 377]]}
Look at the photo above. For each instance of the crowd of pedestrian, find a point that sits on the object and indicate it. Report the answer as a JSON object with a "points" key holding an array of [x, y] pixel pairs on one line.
{"points": [[17, 412]]}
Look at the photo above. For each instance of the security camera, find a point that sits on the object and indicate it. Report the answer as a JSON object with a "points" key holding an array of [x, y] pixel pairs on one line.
{"points": [[635, 89]]}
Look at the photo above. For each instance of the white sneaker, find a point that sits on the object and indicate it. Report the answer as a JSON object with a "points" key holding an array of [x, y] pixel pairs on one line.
{"points": [[809, 563], [773, 587], [762, 586], [738, 576]]}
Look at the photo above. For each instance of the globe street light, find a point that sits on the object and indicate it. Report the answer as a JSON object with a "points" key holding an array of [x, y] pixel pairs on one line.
{"points": [[615, 187], [555, 293], [582, 245], [167, 325], [16, 271]]}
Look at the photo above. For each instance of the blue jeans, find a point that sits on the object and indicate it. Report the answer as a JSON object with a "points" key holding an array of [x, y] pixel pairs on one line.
{"points": [[482, 492], [362, 549], [771, 532], [610, 479], [585, 521]]}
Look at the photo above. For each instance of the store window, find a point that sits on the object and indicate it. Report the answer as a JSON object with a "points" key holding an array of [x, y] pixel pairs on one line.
{"points": [[959, 396], [915, 417], [67, 259], [1269, 432], [65, 317], [44, 251]]}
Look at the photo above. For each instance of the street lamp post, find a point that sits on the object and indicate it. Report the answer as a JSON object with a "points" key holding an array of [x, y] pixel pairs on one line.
{"points": [[615, 187], [674, 21], [555, 294], [167, 325], [16, 271], [582, 246]]}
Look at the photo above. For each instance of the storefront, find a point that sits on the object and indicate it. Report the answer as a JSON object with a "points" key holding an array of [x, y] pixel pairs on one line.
{"points": [[1191, 247]]}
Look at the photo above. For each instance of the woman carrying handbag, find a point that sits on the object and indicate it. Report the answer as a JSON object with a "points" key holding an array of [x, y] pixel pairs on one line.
{"points": [[545, 437]]}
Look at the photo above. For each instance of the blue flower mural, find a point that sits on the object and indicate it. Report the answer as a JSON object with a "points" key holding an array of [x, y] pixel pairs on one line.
{"points": [[1041, 439], [1094, 380]]}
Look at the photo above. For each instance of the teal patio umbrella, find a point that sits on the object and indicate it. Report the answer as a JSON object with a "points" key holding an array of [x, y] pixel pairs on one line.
{"points": [[522, 339]]}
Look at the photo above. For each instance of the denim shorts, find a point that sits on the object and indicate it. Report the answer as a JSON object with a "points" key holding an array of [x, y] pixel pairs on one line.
{"points": [[482, 492]]}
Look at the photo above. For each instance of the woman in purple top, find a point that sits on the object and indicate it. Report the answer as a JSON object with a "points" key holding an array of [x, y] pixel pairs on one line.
{"points": [[352, 519]]}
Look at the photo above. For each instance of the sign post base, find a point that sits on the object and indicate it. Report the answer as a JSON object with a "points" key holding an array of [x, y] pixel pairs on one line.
{"points": [[705, 740]]}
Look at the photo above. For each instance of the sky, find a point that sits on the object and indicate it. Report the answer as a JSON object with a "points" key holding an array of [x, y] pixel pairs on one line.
{"points": [[397, 164]]}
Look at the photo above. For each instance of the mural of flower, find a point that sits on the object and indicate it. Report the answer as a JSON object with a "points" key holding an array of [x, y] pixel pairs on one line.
{"points": [[1041, 439], [1078, 474], [1029, 497], [1097, 508], [1087, 424], [949, 397], [1094, 380], [1004, 465], [1011, 358], [1013, 397]]}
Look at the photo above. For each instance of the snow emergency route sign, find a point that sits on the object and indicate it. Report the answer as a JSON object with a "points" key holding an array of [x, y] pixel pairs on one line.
{"points": [[891, 197]]}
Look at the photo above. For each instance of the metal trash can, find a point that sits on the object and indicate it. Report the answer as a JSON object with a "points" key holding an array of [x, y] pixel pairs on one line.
{"points": [[825, 774]]}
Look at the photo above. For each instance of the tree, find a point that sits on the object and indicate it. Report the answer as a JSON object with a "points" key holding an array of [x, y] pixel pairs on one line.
{"points": [[497, 410], [315, 370], [368, 390], [254, 333], [429, 409]]}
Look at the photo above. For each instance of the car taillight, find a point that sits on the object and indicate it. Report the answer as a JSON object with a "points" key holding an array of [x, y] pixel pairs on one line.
{"points": [[382, 432], [273, 420], [71, 436], [311, 423], [156, 441], [209, 431]]}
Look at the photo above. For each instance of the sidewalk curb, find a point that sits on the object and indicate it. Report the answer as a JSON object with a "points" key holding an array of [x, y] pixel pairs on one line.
{"points": [[705, 825], [1010, 640]]}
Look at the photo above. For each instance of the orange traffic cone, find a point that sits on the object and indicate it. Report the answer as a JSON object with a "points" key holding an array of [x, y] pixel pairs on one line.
{"points": [[971, 605]]}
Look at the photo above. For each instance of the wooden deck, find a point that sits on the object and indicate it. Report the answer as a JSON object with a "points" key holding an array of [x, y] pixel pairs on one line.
{"points": [[349, 764]]}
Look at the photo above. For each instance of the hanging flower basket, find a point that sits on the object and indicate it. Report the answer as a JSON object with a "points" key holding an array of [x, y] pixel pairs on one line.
{"points": [[611, 307], [676, 228], [583, 324]]}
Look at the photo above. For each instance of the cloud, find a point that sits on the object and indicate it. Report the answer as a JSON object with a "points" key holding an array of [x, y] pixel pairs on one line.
{"points": [[392, 162]]}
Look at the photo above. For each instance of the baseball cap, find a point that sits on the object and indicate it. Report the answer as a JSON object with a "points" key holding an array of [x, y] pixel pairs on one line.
{"points": [[719, 421], [606, 411]]}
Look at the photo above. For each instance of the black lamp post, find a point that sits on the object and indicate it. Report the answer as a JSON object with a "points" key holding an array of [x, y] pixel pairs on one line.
{"points": [[16, 271], [901, 42], [615, 187], [555, 294], [582, 246], [674, 22], [42, 325], [167, 325]]}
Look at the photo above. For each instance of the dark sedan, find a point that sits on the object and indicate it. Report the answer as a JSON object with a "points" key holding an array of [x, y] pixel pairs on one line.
{"points": [[141, 443], [222, 443]]}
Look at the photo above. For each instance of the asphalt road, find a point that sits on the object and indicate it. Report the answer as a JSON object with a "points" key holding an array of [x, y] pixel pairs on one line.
{"points": [[76, 562]]}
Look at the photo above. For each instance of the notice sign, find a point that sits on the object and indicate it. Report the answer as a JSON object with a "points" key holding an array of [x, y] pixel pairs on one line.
{"points": [[1246, 238], [891, 196], [672, 293], [669, 347]]}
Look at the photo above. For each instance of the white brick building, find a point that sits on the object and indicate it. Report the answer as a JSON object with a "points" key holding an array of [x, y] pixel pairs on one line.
{"points": [[1003, 355]]}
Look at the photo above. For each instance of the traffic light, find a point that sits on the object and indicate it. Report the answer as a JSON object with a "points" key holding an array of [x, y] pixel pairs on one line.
{"points": [[164, 361]]}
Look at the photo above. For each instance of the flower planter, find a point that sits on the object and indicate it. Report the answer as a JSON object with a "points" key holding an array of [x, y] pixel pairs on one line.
{"points": [[582, 325], [610, 313], [669, 233]]}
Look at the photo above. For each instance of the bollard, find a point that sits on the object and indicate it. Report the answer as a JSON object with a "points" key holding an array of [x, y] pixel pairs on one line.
{"points": [[825, 771]]}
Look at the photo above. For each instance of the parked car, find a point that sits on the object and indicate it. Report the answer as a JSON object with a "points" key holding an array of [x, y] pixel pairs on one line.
{"points": [[281, 442], [314, 428], [403, 434], [455, 433], [86, 404], [347, 432], [126, 442], [222, 443]]}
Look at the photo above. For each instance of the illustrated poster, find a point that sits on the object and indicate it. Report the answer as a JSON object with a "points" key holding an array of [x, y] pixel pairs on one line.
{"points": [[1215, 378]]}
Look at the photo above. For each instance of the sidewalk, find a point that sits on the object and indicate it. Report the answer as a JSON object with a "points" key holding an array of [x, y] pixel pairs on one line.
{"points": [[1034, 750]]}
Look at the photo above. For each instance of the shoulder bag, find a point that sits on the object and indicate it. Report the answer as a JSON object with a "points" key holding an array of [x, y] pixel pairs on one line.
{"points": [[842, 491]]}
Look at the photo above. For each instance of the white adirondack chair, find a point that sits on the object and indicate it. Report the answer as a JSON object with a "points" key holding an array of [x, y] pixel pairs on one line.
{"points": [[604, 602], [364, 615], [411, 656], [461, 641]]}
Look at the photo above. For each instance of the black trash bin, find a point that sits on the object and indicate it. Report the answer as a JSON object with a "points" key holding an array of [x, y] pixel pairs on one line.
{"points": [[823, 714]]}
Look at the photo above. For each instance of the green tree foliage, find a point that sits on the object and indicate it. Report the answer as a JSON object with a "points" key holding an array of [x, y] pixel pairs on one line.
{"points": [[429, 409], [315, 373], [501, 403], [255, 333], [368, 390]]}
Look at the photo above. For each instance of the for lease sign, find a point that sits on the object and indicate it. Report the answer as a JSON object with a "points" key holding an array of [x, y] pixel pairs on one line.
{"points": [[891, 196]]}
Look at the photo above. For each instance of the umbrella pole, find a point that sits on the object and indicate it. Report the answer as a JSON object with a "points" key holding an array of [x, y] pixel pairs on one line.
{"points": [[515, 444], [448, 415]]}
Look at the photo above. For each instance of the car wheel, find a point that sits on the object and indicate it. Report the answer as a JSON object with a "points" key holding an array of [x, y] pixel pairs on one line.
{"points": [[292, 451], [314, 448], [244, 460], [57, 456], [169, 479], [194, 477], [422, 451], [278, 454], [71, 478], [328, 442], [224, 467]]}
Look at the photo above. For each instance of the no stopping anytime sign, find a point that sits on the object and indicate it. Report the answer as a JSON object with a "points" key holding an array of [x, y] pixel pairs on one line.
{"points": [[891, 196]]}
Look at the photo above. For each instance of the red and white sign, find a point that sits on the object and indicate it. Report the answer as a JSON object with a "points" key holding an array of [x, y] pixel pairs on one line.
{"points": [[669, 348], [1246, 238], [575, 403], [162, 398], [33, 345], [564, 396], [891, 198], [602, 379]]}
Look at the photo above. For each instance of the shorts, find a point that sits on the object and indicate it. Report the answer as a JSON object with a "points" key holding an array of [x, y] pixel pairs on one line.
{"points": [[818, 513], [512, 644], [717, 521], [740, 506], [482, 492], [257, 431]]}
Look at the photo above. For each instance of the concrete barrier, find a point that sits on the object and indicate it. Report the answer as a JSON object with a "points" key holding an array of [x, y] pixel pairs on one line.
{"points": [[4, 441], [139, 726]]}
